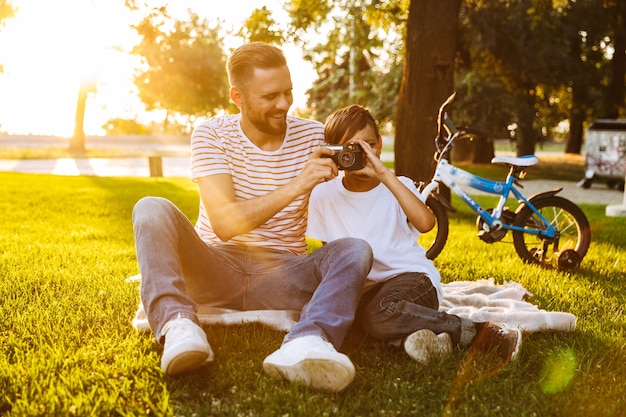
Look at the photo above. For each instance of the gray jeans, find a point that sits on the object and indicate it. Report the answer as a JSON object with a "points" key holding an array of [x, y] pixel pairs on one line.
{"points": [[406, 303], [179, 271]]}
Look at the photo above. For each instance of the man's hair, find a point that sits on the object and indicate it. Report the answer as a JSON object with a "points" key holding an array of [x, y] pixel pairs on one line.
{"points": [[246, 58], [345, 122]]}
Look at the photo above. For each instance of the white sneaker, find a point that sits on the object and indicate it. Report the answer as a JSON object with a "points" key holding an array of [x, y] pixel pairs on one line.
{"points": [[312, 361], [425, 344], [185, 348]]}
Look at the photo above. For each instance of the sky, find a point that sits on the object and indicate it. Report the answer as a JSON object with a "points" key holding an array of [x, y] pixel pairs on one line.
{"points": [[42, 69]]}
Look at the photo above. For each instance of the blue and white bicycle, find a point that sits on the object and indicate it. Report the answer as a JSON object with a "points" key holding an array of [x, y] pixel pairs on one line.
{"points": [[547, 229]]}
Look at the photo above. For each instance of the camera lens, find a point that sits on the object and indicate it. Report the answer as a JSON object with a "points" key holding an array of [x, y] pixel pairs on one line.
{"points": [[346, 158]]}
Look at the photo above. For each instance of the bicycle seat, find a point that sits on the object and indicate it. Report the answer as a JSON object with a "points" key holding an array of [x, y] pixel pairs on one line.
{"points": [[521, 161]]}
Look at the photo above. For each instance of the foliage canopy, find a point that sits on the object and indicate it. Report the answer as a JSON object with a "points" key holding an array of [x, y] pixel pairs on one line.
{"points": [[184, 65]]}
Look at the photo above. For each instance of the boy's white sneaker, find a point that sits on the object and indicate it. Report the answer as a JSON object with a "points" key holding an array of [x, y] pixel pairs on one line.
{"points": [[312, 361], [425, 344], [186, 346]]}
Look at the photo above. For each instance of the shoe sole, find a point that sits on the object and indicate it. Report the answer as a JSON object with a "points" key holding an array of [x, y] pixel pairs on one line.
{"points": [[319, 373], [187, 361], [518, 345], [424, 344]]}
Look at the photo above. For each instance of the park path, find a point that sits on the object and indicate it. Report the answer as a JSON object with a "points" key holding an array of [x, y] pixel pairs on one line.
{"points": [[103, 167], [181, 167]]}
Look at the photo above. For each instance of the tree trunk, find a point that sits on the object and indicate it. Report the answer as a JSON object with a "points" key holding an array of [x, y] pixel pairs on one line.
{"points": [[478, 150], [77, 143], [576, 120], [428, 79], [483, 150], [526, 135], [618, 68], [575, 136], [579, 100]]}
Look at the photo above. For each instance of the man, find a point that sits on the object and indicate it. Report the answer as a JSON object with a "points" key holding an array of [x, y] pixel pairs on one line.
{"points": [[255, 171], [403, 287]]}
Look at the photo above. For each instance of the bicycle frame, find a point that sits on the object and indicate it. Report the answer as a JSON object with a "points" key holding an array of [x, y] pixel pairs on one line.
{"points": [[452, 176], [560, 237]]}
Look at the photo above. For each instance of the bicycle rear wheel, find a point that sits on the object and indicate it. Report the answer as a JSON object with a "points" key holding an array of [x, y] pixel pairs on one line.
{"points": [[568, 219], [435, 240]]}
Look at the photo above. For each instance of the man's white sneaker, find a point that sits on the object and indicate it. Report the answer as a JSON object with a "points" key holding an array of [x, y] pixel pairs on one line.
{"points": [[185, 348], [312, 361], [424, 344]]}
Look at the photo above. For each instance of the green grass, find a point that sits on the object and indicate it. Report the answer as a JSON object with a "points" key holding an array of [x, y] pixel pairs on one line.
{"points": [[67, 346]]}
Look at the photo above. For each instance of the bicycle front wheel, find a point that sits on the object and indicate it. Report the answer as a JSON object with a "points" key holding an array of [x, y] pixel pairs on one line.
{"points": [[568, 219], [435, 240]]}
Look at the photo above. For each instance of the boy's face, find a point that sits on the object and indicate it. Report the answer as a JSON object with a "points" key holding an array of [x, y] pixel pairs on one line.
{"points": [[367, 135]]}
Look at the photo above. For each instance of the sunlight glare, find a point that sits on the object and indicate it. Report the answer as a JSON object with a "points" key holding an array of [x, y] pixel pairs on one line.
{"points": [[47, 50], [51, 46], [558, 371]]}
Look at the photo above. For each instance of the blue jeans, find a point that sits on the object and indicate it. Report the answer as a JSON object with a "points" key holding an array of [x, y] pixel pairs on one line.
{"points": [[405, 304], [179, 271]]}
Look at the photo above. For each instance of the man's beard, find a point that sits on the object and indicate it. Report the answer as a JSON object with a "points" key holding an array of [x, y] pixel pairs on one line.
{"points": [[261, 122]]}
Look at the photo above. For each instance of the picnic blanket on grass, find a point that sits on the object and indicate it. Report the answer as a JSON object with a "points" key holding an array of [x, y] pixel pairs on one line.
{"points": [[479, 301]]}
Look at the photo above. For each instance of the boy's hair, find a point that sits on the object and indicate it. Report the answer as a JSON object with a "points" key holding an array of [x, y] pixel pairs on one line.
{"points": [[246, 58], [345, 122]]}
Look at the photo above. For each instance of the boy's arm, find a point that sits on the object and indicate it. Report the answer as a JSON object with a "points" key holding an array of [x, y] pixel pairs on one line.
{"points": [[416, 211]]}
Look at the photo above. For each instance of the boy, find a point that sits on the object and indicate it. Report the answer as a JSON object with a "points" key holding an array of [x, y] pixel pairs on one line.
{"points": [[402, 290]]}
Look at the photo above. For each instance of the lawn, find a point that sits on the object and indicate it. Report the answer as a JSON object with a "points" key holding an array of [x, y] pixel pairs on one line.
{"points": [[67, 346]]}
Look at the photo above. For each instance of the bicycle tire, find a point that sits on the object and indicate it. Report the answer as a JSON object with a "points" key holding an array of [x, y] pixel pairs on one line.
{"points": [[435, 240], [570, 221]]}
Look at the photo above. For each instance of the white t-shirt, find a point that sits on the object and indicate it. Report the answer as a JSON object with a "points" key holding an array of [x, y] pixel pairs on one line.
{"points": [[375, 216], [219, 146]]}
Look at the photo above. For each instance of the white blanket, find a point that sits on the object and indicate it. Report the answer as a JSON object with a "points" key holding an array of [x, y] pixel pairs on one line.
{"points": [[478, 301]]}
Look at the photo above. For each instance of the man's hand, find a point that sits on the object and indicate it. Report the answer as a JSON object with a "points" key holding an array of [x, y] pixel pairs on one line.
{"points": [[316, 170], [230, 218]]}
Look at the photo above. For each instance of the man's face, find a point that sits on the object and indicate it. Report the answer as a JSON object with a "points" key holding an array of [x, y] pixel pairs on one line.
{"points": [[267, 99]]}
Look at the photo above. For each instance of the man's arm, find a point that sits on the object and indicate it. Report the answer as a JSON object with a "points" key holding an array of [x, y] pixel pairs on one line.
{"points": [[230, 218]]}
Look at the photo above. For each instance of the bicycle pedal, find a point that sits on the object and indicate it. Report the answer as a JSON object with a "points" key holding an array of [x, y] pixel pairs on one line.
{"points": [[484, 236], [492, 236]]}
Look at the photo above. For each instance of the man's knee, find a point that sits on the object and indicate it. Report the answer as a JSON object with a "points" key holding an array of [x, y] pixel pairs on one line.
{"points": [[150, 209], [357, 250]]}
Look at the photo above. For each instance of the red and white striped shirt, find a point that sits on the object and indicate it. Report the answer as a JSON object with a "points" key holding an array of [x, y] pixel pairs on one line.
{"points": [[219, 146]]}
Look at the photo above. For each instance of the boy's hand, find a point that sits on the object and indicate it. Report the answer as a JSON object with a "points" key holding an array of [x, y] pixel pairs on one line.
{"points": [[374, 166]]}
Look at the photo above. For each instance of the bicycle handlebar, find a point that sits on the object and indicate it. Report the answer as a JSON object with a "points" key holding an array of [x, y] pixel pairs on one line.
{"points": [[449, 125], [445, 128], [441, 122], [447, 132]]}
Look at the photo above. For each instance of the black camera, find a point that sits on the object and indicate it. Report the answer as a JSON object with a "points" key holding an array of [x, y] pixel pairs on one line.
{"points": [[348, 156]]}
